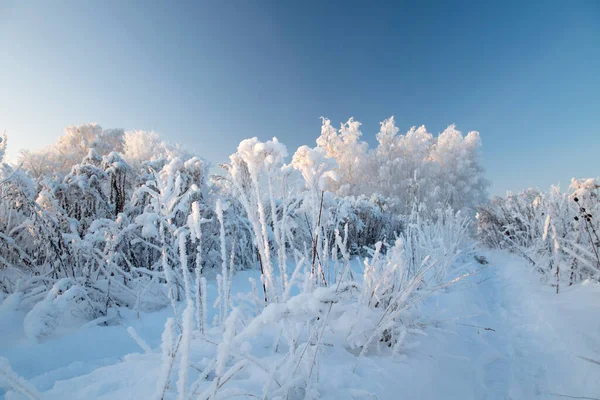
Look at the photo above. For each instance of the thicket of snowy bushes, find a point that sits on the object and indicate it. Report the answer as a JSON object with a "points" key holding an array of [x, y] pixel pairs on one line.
{"points": [[107, 218], [557, 232]]}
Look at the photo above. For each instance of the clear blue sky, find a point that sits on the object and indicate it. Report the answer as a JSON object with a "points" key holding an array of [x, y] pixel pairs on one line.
{"points": [[207, 74]]}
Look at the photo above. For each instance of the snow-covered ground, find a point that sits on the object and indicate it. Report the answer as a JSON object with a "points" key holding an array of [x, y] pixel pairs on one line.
{"points": [[499, 334]]}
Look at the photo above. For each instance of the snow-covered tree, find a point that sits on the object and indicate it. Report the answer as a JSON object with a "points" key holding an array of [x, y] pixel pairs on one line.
{"points": [[460, 181], [70, 149], [416, 167], [404, 164], [140, 147], [349, 153]]}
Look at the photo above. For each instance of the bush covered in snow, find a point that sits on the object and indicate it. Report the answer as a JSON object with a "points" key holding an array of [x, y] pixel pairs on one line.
{"points": [[557, 232]]}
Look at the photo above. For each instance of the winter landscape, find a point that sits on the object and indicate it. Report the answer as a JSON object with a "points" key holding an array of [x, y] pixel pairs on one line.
{"points": [[354, 264]]}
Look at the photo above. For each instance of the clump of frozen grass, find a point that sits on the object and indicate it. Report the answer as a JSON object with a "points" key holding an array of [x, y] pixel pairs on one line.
{"points": [[441, 238], [252, 162], [362, 316]]}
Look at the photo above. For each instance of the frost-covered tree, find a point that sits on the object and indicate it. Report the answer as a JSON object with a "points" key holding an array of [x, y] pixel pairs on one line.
{"points": [[417, 168], [70, 149], [460, 181], [349, 153], [140, 147], [404, 164]]}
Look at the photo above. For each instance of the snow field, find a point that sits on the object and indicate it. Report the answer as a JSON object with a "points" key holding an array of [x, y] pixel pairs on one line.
{"points": [[497, 334]]}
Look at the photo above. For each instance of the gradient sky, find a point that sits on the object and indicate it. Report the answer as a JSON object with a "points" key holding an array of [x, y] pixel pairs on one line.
{"points": [[208, 74]]}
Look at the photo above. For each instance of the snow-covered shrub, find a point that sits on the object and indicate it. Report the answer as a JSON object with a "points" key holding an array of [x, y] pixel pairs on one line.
{"points": [[17, 191], [29, 236], [66, 303], [442, 237], [86, 183], [369, 220], [166, 203], [557, 232], [381, 314], [83, 227]]}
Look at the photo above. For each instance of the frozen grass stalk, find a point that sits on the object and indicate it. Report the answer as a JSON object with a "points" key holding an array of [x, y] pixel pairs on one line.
{"points": [[10, 380], [187, 321]]}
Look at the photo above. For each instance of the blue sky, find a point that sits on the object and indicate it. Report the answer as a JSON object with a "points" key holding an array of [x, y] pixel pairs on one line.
{"points": [[209, 74]]}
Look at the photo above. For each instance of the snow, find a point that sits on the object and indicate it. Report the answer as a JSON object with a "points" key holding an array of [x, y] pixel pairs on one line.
{"points": [[498, 334], [77, 353]]}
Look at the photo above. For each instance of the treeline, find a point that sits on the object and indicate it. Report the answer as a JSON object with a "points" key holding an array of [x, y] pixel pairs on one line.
{"points": [[103, 210]]}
